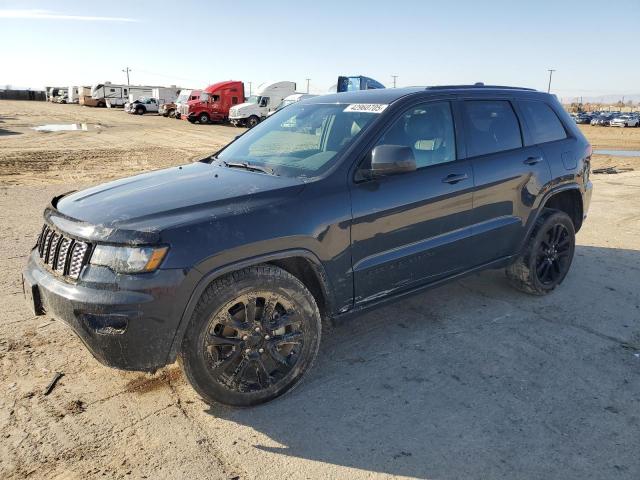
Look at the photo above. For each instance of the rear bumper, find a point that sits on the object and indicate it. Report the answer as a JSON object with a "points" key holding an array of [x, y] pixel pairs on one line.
{"points": [[586, 198], [126, 321]]}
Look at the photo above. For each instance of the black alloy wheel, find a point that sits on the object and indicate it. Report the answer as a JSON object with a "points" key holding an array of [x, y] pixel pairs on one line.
{"points": [[252, 336], [553, 257]]}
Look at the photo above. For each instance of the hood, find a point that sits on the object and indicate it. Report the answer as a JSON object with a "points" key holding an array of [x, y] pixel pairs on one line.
{"points": [[153, 201], [246, 107]]}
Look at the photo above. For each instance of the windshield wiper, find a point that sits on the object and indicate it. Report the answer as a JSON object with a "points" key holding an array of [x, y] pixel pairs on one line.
{"points": [[248, 166]]}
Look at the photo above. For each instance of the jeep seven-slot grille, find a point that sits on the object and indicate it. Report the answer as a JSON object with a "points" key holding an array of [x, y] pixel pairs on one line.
{"points": [[63, 255]]}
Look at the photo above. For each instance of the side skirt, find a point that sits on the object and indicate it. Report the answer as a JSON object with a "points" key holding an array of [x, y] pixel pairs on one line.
{"points": [[361, 309]]}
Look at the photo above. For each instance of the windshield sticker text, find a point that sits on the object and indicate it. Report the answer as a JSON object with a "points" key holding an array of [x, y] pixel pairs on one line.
{"points": [[366, 107]]}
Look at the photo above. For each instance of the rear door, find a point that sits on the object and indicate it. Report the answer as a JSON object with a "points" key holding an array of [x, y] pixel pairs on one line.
{"points": [[509, 175], [412, 228]]}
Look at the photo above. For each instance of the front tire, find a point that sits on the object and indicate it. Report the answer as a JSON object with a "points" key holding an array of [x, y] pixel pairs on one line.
{"points": [[203, 118], [547, 256], [253, 335], [140, 111], [252, 121]]}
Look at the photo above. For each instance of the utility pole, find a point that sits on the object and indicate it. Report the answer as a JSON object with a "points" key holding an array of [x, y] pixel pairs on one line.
{"points": [[307, 79], [127, 70], [249, 88], [394, 80], [550, 70]]}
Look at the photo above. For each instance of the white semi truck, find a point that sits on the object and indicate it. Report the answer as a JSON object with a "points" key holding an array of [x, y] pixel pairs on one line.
{"points": [[257, 107]]}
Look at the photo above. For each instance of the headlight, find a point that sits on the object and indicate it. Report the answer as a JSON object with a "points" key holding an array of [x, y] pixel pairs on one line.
{"points": [[128, 259]]}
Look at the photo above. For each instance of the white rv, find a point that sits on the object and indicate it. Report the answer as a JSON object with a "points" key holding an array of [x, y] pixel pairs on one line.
{"points": [[111, 95], [257, 107]]}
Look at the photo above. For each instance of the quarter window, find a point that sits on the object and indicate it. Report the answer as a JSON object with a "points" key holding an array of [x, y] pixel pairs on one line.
{"points": [[491, 126], [428, 130], [543, 123]]}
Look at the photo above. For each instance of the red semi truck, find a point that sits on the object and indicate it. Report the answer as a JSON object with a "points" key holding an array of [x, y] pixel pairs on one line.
{"points": [[214, 103]]}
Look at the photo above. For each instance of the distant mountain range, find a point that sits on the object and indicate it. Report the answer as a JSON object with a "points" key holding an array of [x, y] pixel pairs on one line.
{"points": [[608, 99]]}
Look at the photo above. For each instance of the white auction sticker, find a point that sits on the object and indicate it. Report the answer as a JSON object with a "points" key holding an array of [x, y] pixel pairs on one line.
{"points": [[366, 107]]}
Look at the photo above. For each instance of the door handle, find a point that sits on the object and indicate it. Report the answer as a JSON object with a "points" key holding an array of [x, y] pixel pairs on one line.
{"points": [[454, 178], [533, 160]]}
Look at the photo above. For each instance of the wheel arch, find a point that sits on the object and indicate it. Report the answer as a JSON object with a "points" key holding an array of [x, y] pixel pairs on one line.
{"points": [[303, 264], [567, 200], [561, 194]]}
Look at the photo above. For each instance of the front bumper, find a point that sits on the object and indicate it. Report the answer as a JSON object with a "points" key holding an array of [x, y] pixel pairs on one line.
{"points": [[126, 321]]}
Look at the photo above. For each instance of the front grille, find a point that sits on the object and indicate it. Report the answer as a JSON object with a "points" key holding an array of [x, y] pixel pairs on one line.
{"points": [[64, 255], [184, 109]]}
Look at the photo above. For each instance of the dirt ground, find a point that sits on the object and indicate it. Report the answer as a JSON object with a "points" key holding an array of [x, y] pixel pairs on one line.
{"points": [[470, 380]]}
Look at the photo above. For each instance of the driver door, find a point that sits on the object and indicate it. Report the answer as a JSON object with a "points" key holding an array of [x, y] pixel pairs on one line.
{"points": [[413, 228]]}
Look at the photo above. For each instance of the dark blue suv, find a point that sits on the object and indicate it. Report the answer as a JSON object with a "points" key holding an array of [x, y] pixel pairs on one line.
{"points": [[331, 206]]}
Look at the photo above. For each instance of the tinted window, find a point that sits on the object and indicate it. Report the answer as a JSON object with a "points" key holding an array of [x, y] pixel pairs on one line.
{"points": [[428, 130], [492, 126], [542, 121]]}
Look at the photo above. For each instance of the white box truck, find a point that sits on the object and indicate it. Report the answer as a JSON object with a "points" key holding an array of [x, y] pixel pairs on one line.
{"points": [[257, 107], [73, 94]]}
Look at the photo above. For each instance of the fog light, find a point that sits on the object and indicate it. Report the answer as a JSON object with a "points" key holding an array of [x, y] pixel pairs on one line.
{"points": [[112, 324]]}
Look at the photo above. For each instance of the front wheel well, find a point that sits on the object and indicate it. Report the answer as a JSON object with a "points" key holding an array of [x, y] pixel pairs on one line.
{"points": [[311, 275], [569, 202]]}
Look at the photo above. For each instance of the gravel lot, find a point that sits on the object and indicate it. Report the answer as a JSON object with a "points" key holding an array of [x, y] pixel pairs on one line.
{"points": [[470, 380]]}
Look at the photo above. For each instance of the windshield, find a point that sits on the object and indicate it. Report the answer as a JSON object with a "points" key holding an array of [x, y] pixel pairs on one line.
{"points": [[204, 96], [254, 99], [182, 98], [299, 141]]}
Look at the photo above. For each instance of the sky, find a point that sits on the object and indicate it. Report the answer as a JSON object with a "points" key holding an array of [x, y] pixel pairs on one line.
{"points": [[594, 46]]}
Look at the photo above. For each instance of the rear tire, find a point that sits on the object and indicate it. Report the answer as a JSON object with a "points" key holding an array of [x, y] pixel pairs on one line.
{"points": [[252, 336], [547, 256]]}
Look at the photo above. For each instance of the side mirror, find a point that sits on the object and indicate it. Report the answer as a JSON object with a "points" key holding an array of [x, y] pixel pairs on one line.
{"points": [[392, 159]]}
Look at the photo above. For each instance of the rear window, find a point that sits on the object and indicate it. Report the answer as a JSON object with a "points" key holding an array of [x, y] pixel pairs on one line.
{"points": [[544, 125], [492, 126]]}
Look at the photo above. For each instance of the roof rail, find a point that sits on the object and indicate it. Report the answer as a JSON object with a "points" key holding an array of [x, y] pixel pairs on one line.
{"points": [[477, 85]]}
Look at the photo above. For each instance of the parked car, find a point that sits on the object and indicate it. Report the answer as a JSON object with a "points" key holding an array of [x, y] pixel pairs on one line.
{"points": [[624, 121], [583, 118], [602, 120], [142, 105], [330, 207]]}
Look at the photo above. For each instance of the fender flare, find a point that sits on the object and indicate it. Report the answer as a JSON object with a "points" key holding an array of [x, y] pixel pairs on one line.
{"points": [[217, 272], [538, 211]]}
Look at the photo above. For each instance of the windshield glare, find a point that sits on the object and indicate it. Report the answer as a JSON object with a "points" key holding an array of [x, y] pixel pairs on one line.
{"points": [[299, 141], [253, 99]]}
